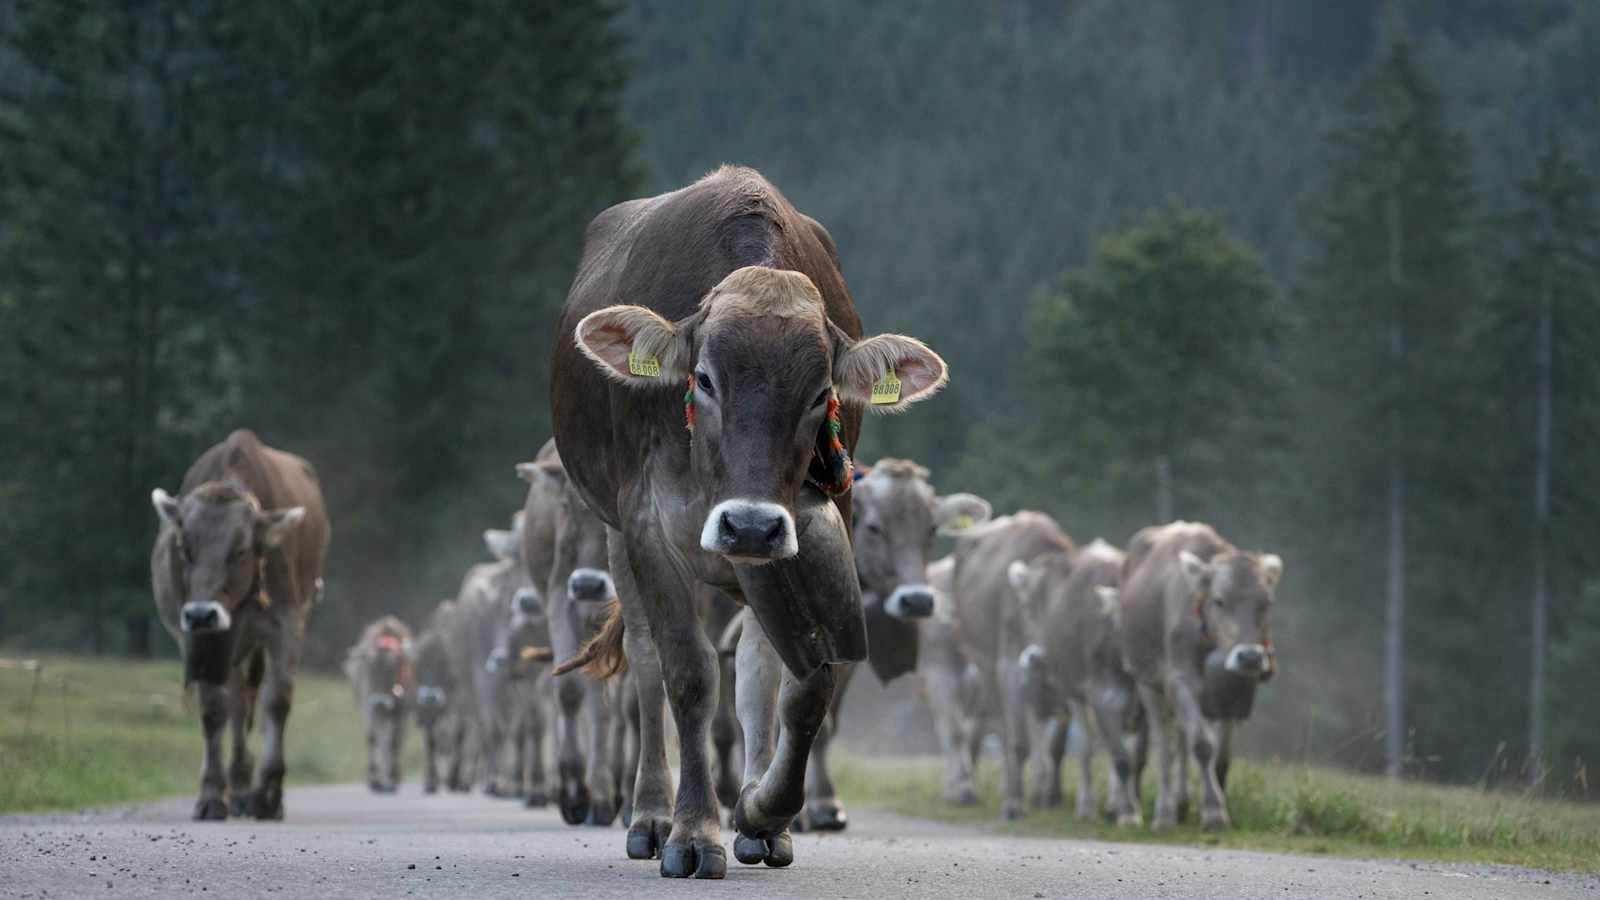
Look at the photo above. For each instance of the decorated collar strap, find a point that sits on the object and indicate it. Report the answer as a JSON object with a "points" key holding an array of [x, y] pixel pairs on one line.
{"points": [[831, 470]]}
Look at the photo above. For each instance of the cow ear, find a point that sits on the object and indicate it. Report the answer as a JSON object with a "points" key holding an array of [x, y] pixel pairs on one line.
{"points": [[273, 526], [956, 513], [166, 506], [634, 346], [887, 372], [502, 544], [1271, 569], [1195, 570]]}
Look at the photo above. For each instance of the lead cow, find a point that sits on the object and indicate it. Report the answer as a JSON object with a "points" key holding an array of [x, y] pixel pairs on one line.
{"points": [[236, 568], [737, 484], [1195, 636]]}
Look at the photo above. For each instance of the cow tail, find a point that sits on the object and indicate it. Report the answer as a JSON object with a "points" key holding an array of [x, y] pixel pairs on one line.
{"points": [[602, 656]]}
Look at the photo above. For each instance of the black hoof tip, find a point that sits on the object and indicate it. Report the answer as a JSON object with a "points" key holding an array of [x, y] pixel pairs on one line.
{"points": [[601, 815], [780, 850], [536, 800], [827, 818], [641, 844], [749, 850], [705, 861], [574, 813], [210, 809]]}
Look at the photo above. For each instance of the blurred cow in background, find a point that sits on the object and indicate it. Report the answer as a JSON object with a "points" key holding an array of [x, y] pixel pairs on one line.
{"points": [[383, 677], [236, 567], [443, 715]]}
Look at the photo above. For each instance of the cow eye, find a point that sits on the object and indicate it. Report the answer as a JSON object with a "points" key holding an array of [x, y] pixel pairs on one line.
{"points": [[704, 381], [1221, 603], [821, 398], [874, 528]]}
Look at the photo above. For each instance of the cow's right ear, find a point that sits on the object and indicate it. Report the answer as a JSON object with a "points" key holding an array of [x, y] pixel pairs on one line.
{"points": [[1195, 570], [955, 513], [635, 346], [166, 506], [535, 472]]}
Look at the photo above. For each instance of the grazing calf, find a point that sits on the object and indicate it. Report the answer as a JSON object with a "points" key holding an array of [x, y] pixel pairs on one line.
{"points": [[1196, 639], [381, 672], [990, 633], [1069, 602], [236, 568], [725, 288]]}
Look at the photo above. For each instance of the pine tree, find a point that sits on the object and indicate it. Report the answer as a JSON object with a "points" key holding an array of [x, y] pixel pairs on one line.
{"points": [[1387, 295]]}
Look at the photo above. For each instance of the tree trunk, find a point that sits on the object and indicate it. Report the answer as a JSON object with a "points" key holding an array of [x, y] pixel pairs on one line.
{"points": [[1541, 520], [1394, 626]]}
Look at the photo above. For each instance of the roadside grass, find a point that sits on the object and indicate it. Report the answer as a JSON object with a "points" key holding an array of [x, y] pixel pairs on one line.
{"points": [[1278, 807], [105, 731]]}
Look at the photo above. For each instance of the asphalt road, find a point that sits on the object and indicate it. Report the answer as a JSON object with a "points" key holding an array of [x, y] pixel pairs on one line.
{"points": [[343, 842]]}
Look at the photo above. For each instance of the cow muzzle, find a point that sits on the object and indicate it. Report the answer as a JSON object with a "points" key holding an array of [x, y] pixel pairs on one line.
{"points": [[910, 601], [204, 617], [526, 602], [1249, 659], [1031, 657], [750, 531], [590, 586]]}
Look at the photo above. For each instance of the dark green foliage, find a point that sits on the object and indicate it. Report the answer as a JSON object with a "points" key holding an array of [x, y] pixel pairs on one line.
{"points": [[345, 228]]}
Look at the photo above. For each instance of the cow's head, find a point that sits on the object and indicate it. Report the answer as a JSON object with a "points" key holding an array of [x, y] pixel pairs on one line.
{"points": [[524, 623], [760, 361], [221, 536], [1233, 594], [897, 515], [390, 673]]}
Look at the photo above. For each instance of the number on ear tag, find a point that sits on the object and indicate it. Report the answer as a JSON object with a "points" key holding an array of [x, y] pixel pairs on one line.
{"points": [[644, 365], [886, 390]]}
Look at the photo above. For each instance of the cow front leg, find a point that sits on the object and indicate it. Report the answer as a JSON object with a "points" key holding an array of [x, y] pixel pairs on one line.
{"points": [[824, 812], [1224, 752], [651, 823], [533, 743], [277, 700], [1014, 736], [212, 804], [1110, 716], [760, 675], [725, 732], [1161, 727], [1205, 743], [768, 802], [627, 749], [458, 780], [1049, 735], [430, 760], [1084, 805], [241, 708]]}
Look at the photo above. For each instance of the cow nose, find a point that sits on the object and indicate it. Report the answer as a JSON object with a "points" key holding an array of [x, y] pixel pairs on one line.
{"points": [[746, 529], [910, 601], [588, 585], [203, 616], [1247, 658], [496, 661], [527, 602], [1032, 657]]}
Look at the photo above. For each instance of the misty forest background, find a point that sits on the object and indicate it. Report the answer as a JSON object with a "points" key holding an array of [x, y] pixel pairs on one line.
{"points": [[1324, 275]]}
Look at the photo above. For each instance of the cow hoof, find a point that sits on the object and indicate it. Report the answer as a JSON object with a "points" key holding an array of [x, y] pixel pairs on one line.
{"points": [[240, 804], [1132, 819], [535, 800], [601, 814], [1214, 820], [748, 818], [269, 806], [700, 859], [574, 803], [776, 851], [646, 836], [966, 797], [210, 809], [827, 816], [1010, 811], [430, 788], [1163, 822]]}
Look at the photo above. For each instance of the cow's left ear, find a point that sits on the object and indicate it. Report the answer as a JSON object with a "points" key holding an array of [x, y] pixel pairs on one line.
{"points": [[956, 513], [886, 372], [635, 346], [1271, 568], [166, 506], [502, 544], [271, 527]]}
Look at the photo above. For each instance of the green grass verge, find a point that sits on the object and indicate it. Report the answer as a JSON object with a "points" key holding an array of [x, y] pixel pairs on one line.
{"points": [[104, 731], [1279, 807]]}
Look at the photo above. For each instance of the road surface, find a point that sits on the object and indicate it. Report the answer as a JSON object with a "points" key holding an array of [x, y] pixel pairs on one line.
{"points": [[344, 842]]}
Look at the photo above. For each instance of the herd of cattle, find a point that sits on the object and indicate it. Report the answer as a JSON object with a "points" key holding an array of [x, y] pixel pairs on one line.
{"points": [[716, 552]]}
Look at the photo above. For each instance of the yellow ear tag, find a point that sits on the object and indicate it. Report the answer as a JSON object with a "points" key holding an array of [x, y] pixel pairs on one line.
{"points": [[886, 390], [962, 522], [644, 365]]}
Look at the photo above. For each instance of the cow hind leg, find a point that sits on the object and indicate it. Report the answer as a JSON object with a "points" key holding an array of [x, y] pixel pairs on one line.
{"points": [[1161, 727], [241, 706], [725, 735], [823, 810], [533, 743], [1083, 805], [1123, 780], [597, 766], [760, 674], [279, 699]]}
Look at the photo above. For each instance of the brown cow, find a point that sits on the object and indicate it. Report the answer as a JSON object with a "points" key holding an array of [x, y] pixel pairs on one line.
{"points": [[1190, 598], [992, 636], [236, 568], [384, 679], [724, 287], [1070, 603]]}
